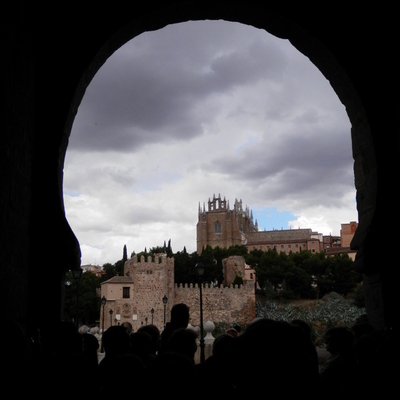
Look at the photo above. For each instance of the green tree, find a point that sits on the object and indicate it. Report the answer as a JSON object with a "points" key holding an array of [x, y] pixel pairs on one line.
{"points": [[237, 250], [212, 270], [119, 267], [359, 296], [238, 280], [299, 282], [346, 278], [253, 257], [124, 254], [169, 249], [184, 268], [219, 255], [89, 301], [109, 272]]}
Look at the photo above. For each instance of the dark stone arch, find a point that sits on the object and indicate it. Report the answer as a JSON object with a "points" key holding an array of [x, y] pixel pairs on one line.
{"points": [[50, 59], [278, 25]]}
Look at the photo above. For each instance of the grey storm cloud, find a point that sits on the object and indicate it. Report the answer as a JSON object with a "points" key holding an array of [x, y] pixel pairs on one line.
{"points": [[141, 97], [311, 164], [200, 108]]}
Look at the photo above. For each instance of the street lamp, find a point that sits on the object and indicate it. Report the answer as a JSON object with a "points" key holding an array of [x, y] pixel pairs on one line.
{"points": [[199, 268], [103, 303], [77, 274], [165, 300], [152, 316]]}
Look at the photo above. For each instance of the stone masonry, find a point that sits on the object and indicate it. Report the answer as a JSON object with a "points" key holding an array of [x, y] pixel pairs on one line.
{"points": [[144, 284]]}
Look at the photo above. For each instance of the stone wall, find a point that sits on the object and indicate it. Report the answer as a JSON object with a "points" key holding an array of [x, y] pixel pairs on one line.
{"points": [[220, 304], [152, 280], [232, 267]]}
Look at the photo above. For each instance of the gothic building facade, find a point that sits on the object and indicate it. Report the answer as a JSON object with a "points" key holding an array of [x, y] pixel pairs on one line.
{"points": [[221, 226]]}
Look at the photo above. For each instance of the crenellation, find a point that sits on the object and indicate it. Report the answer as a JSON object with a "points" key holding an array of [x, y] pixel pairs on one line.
{"points": [[148, 281]]}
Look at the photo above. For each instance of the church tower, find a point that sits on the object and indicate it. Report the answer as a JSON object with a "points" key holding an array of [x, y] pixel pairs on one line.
{"points": [[221, 226]]}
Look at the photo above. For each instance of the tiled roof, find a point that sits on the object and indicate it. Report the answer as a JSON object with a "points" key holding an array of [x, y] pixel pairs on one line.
{"points": [[119, 279]]}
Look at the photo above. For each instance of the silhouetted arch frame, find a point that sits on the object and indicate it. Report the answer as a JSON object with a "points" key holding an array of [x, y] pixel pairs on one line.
{"points": [[277, 25]]}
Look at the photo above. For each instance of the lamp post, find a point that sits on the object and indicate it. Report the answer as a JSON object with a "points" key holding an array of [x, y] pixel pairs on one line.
{"points": [[152, 316], [199, 267], [165, 300], [77, 274], [111, 313], [103, 303]]}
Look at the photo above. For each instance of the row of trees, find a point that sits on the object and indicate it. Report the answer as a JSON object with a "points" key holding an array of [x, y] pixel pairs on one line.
{"points": [[295, 275]]}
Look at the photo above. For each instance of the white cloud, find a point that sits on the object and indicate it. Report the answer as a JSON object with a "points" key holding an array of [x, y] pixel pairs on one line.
{"points": [[195, 109]]}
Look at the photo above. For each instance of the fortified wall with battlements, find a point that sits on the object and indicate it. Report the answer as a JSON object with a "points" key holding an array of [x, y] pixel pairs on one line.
{"points": [[137, 297]]}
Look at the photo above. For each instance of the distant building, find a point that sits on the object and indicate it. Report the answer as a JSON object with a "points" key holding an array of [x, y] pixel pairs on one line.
{"points": [[347, 233], [94, 269], [346, 236], [218, 225]]}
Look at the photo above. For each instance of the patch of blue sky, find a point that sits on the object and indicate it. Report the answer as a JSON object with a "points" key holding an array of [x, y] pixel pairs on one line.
{"points": [[71, 193], [270, 218], [251, 141]]}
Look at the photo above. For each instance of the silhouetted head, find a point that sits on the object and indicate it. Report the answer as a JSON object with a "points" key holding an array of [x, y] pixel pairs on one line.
{"points": [[116, 341], [339, 340], [304, 325], [222, 346], [141, 344], [284, 346], [180, 315], [154, 332], [183, 341], [128, 326]]}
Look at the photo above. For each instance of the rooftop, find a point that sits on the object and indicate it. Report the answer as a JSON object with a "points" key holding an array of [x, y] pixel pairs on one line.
{"points": [[119, 279]]}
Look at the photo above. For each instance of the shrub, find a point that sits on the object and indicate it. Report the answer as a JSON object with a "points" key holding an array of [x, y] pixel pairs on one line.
{"points": [[322, 315], [359, 296]]}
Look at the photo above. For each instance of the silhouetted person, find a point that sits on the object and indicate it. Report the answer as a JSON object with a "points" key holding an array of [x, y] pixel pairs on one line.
{"points": [[179, 319], [306, 328], [275, 354], [173, 373], [128, 326], [142, 346], [217, 369], [232, 332], [183, 341], [124, 373], [67, 356], [339, 375], [116, 343], [155, 335], [90, 347], [237, 328]]}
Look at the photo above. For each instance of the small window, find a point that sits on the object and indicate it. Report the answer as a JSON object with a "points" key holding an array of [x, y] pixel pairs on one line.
{"points": [[217, 227], [125, 292]]}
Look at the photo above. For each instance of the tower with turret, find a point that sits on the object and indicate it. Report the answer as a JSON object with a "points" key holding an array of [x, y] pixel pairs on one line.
{"points": [[219, 225]]}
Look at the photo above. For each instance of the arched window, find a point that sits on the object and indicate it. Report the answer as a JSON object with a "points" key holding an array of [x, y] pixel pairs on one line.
{"points": [[217, 227]]}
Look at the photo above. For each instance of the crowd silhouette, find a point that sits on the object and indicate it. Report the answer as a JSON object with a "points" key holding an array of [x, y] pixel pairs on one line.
{"points": [[269, 358]]}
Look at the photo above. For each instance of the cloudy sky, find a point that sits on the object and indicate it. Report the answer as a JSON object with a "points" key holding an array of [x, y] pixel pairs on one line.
{"points": [[197, 109]]}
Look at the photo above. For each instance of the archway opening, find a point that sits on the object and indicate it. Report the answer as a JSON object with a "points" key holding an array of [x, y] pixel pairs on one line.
{"points": [[315, 167], [309, 154]]}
